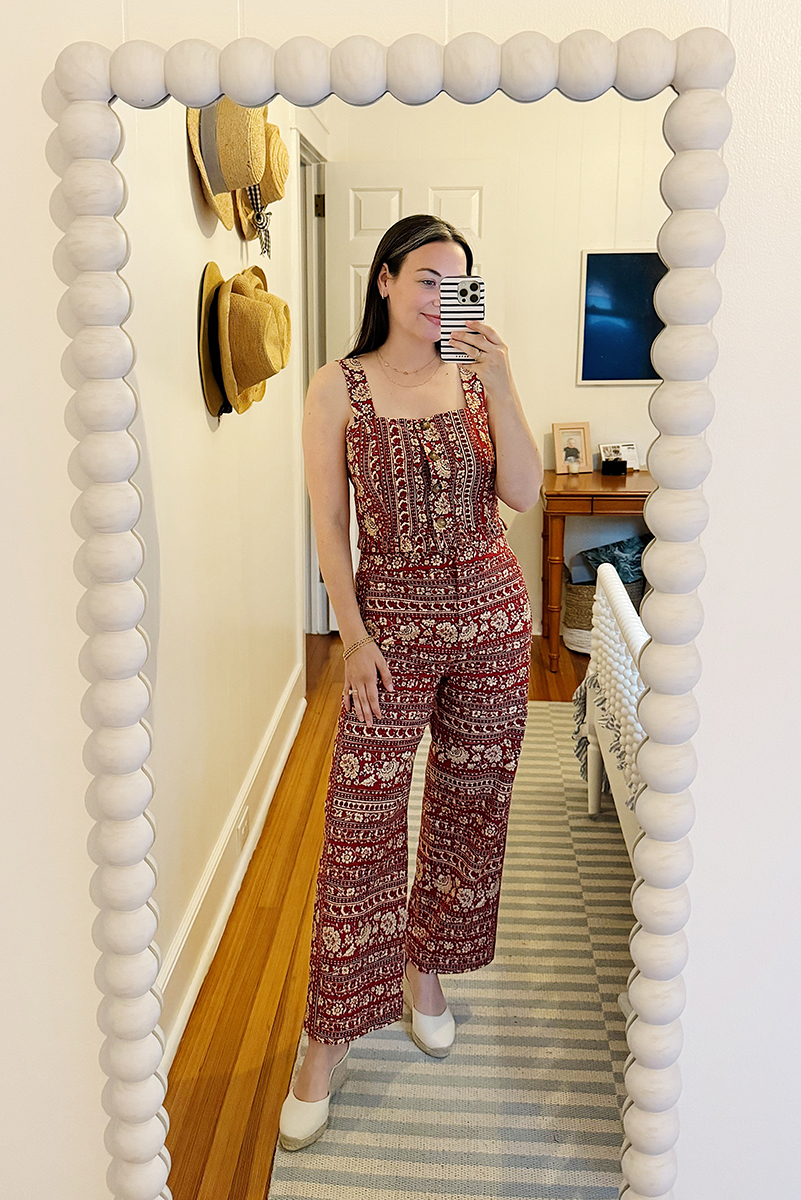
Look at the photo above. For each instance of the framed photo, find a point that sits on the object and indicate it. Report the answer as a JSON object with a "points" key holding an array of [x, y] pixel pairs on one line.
{"points": [[617, 319], [571, 444], [625, 450]]}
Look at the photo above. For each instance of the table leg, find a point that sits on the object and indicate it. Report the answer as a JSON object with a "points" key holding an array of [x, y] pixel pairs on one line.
{"points": [[545, 531], [556, 550]]}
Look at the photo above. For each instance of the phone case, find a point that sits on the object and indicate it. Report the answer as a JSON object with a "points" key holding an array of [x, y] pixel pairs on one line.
{"points": [[456, 308]]}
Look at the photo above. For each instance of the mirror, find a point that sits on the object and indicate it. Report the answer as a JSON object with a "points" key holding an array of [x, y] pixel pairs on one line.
{"points": [[188, 478]]}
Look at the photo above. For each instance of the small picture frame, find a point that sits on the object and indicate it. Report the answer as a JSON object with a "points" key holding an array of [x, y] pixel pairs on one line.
{"points": [[624, 450], [571, 444]]}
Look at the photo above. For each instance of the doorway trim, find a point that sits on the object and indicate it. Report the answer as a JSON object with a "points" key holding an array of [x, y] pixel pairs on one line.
{"points": [[359, 70]]}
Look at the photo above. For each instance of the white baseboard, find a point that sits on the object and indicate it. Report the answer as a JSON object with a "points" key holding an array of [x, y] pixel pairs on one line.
{"points": [[195, 943]]}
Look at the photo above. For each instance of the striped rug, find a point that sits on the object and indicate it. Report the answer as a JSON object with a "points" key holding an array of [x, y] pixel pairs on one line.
{"points": [[526, 1106]]}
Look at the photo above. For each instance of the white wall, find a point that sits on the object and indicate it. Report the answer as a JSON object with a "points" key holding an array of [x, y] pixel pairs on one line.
{"points": [[740, 1107]]}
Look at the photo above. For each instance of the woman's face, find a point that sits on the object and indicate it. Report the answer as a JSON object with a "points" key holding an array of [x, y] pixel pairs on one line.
{"points": [[413, 295]]}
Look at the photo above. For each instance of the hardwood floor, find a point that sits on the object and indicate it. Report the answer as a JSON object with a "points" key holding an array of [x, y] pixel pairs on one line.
{"points": [[234, 1062]]}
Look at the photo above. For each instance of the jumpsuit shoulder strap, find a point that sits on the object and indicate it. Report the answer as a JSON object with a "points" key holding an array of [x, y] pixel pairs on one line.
{"points": [[358, 390]]}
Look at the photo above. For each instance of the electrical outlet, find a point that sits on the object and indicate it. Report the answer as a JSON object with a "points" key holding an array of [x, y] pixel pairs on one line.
{"points": [[243, 829]]}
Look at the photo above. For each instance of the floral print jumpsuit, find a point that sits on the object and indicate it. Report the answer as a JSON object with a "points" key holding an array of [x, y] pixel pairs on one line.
{"points": [[442, 592]]}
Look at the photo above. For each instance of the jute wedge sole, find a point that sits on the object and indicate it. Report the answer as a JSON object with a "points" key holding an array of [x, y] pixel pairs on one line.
{"points": [[433, 1035], [304, 1121]]}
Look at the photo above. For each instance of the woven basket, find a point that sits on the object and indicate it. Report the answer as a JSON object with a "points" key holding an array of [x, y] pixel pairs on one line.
{"points": [[577, 610]]}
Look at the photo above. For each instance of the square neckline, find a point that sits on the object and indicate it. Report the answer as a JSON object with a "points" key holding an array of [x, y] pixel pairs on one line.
{"points": [[412, 420]]}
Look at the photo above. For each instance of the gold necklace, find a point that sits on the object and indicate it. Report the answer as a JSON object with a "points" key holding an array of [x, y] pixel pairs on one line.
{"points": [[396, 383], [417, 372]]}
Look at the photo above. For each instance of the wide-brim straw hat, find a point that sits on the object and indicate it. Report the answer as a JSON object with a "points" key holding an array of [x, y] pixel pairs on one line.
{"points": [[244, 338], [230, 150], [272, 184]]}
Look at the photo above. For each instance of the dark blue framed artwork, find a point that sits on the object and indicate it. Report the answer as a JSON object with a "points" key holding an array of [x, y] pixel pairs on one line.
{"points": [[618, 322]]}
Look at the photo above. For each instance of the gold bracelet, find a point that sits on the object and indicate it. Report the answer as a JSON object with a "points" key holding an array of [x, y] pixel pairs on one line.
{"points": [[356, 645]]}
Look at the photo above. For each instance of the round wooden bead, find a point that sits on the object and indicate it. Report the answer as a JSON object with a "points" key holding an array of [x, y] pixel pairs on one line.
{"points": [[130, 1018], [135, 1143], [247, 72], [112, 557], [102, 352], [655, 1046], [121, 843], [191, 73], [684, 352], [651, 1133], [679, 463], [471, 67], [96, 244], [92, 187], [119, 797], [704, 59], [651, 1174], [108, 457], [90, 129], [669, 719], [99, 298], [587, 65], [124, 933], [681, 409], [672, 619], [116, 655], [529, 66], [110, 507], [700, 119], [115, 606], [116, 702], [665, 817], [645, 64], [663, 864], [123, 887], [105, 404], [117, 751], [137, 1181], [675, 515], [129, 975], [661, 910], [673, 566], [133, 1101], [691, 238], [694, 179], [359, 70], [659, 956], [136, 73], [672, 670], [657, 1001], [414, 69], [687, 296], [301, 71], [82, 72]]}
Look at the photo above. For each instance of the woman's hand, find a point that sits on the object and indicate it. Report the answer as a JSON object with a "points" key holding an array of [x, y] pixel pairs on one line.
{"points": [[361, 686], [492, 364]]}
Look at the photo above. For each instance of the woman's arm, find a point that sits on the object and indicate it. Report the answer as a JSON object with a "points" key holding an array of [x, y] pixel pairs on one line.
{"points": [[325, 417]]}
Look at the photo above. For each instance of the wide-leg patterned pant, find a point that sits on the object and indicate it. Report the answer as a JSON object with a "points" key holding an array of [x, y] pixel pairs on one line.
{"points": [[457, 640]]}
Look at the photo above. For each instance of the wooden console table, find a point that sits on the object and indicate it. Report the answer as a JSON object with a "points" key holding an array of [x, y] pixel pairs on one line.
{"points": [[587, 494]]}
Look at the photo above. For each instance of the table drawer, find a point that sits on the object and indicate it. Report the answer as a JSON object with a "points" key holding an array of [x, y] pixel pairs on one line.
{"points": [[561, 506], [624, 506]]}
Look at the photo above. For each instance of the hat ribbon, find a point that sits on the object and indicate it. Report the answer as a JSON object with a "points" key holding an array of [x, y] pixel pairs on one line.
{"points": [[260, 218]]}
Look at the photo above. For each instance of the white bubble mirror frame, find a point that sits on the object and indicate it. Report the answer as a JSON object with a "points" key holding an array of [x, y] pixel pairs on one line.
{"points": [[414, 69]]}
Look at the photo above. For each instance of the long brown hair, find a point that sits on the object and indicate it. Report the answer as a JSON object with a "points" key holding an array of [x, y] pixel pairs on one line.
{"points": [[398, 241]]}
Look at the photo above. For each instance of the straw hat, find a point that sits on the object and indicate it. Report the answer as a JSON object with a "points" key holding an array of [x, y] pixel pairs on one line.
{"points": [[272, 184], [244, 338], [230, 150]]}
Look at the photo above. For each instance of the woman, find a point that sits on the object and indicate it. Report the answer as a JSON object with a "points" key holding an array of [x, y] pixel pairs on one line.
{"points": [[436, 630]]}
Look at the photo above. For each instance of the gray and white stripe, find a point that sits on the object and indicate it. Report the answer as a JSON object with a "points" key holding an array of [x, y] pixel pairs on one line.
{"points": [[527, 1105]]}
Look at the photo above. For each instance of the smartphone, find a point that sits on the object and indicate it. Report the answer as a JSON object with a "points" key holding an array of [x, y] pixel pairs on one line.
{"points": [[461, 298]]}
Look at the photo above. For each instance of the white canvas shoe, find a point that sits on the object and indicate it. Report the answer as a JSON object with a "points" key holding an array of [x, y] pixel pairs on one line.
{"points": [[434, 1035], [304, 1121]]}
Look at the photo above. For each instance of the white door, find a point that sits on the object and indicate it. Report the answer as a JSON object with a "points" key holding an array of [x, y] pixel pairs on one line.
{"points": [[362, 200]]}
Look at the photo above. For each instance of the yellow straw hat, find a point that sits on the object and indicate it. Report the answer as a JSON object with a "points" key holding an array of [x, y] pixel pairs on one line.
{"points": [[244, 338], [272, 185], [230, 150]]}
